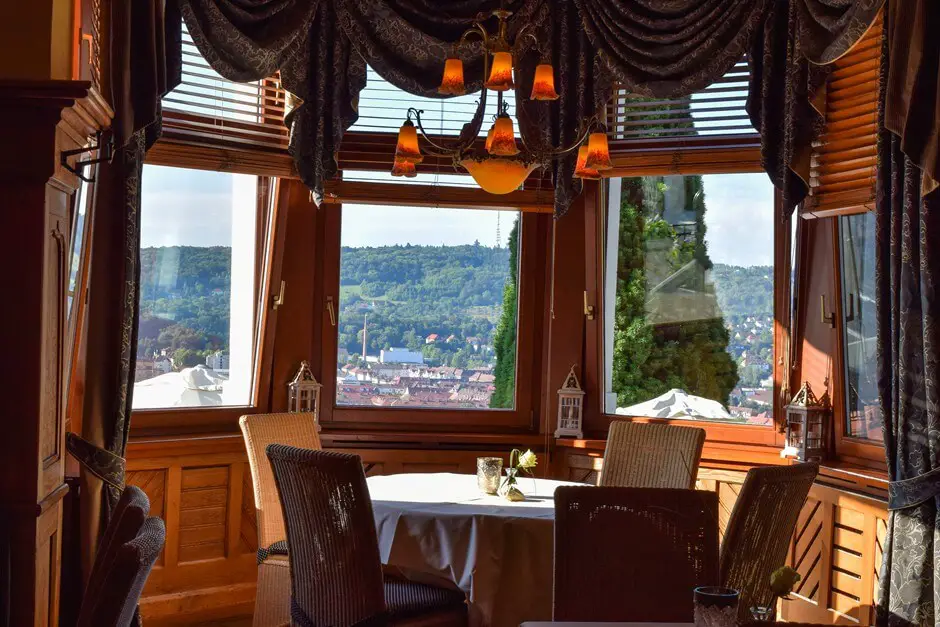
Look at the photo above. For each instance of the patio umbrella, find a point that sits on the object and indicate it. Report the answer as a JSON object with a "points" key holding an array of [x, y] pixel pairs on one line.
{"points": [[190, 387], [677, 404]]}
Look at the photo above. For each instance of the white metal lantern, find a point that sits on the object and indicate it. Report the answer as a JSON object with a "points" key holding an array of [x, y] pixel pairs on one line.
{"points": [[304, 393], [570, 407]]}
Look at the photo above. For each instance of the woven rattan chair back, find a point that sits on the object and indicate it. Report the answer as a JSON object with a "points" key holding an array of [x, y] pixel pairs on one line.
{"points": [[651, 455], [632, 554], [259, 430], [124, 581], [127, 519], [760, 529], [336, 572]]}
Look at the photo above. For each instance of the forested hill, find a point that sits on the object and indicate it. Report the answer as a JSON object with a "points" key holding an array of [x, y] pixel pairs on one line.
{"points": [[468, 275], [744, 291]]}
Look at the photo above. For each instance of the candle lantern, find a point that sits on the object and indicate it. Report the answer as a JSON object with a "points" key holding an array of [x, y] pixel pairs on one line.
{"points": [[808, 425], [570, 407], [304, 393]]}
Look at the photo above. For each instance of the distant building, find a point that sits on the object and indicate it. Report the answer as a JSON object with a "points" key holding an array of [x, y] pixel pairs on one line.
{"points": [[396, 355], [431, 339], [163, 364], [218, 360]]}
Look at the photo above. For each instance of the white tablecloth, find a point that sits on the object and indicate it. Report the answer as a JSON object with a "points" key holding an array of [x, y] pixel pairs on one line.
{"points": [[498, 552]]}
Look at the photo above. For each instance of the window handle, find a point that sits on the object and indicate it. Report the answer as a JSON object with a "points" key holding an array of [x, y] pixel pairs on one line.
{"points": [[850, 316], [279, 299], [829, 319], [329, 308]]}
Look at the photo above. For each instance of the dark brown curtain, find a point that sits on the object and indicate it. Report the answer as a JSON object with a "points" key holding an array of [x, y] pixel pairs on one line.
{"points": [[143, 63], [661, 48], [912, 106], [908, 315]]}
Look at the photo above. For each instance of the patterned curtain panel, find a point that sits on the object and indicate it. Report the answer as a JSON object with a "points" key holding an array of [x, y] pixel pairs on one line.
{"points": [[908, 314], [661, 49]]}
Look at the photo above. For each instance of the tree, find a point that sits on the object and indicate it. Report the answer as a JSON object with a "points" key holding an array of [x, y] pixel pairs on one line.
{"points": [[649, 360], [505, 341]]}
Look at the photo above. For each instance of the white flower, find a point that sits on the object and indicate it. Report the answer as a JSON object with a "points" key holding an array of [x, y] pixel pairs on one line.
{"points": [[527, 460]]}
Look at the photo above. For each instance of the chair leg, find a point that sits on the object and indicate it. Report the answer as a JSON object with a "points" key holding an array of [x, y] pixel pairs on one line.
{"points": [[272, 599]]}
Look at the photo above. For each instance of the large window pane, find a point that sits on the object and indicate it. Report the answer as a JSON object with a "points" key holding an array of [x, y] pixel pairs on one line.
{"points": [[428, 308], [689, 297], [197, 283], [863, 411]]}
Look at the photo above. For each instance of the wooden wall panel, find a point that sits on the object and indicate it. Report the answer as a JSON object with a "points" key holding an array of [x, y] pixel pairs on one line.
{"points": [[837, 550]]}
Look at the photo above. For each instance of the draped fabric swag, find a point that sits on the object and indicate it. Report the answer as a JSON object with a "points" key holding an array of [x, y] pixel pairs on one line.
{"points": [[143, 64], [908, 314], [659, 49]]}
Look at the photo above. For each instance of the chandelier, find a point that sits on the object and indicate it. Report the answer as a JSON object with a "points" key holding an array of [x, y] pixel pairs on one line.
{"points": [[501, 166]]}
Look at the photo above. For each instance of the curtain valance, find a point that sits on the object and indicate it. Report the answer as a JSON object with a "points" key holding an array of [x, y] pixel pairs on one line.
{"points": [[661, 48]]}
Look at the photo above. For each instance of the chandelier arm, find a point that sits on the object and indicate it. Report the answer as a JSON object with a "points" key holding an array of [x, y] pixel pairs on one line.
{"points": [[417, 114], [592, 123]]}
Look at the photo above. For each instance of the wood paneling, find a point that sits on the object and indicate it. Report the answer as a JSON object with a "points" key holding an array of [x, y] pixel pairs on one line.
{"points": [[837, 551]]}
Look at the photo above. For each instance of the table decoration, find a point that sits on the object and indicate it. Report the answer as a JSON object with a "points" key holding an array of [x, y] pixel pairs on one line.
{"points": [[489, 472], [782, 581], [715, 606], [518, 460]]}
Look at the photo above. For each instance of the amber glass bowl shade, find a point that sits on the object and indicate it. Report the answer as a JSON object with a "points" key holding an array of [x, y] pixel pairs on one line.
{"points": [[498, 175]]}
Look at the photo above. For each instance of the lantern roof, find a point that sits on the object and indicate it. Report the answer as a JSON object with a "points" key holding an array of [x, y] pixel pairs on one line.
{"points": [[304, 375], [571, 384], [806, 398]]}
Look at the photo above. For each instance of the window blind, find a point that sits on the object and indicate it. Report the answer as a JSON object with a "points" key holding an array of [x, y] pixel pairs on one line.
{"points": [[844, 162], [717, 110], [207, 108]]}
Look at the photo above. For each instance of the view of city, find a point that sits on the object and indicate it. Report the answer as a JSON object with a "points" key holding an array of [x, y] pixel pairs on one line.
{"points": [[426, 325]]}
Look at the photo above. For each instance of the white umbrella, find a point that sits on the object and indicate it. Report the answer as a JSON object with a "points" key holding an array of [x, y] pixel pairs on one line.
{"points": [[677, 404], [191, 387]]}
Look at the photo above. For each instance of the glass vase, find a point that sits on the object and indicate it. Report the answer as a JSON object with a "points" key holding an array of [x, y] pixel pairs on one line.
{"points": [[715, 607], [489, 472]]}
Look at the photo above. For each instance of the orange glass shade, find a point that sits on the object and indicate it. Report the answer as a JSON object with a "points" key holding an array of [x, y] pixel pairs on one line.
{"points": [[489, 138], [497, 175], [580, 170], [598, 153], [543, 87], [407, 148], [503, 142], [404, 168], [452, 83], [501, 72]]}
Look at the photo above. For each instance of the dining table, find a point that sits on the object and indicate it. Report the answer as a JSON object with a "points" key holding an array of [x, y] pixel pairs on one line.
{"points": [[441, 528]]}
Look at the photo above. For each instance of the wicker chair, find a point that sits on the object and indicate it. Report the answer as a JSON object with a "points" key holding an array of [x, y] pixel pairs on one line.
{"points": [[632, 554], [651, 456], [272, 597], [128, 550], [760, 529], [336, 572]]}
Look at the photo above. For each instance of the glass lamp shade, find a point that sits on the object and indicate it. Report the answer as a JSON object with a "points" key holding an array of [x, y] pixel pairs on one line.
{"points": [[452, 83], [598, 154], [404, 168], [407, 148], [503, 142], [501, 72], [489, 138], [580, 170], [543, 87], [497, 175]]}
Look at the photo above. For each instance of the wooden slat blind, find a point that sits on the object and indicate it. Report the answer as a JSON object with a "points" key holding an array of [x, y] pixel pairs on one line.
{"points": [[206, 108], [716, 111], [844, 161]]}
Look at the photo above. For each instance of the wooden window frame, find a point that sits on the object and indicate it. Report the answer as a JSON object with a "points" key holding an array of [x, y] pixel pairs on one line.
{"points": [[524, 417], [848, 448], [270, 215], [694, 156]]}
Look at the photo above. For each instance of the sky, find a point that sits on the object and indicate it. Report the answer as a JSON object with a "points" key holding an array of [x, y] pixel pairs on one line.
{"points": [[193, 208]]}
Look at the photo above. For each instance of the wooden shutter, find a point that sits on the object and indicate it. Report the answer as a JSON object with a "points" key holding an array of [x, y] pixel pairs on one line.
{"points": [[208, 110], [844, 161]]}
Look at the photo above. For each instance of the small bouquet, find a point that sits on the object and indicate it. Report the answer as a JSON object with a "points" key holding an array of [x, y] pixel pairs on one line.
{"points": [[782, 582], [517, 461]]}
